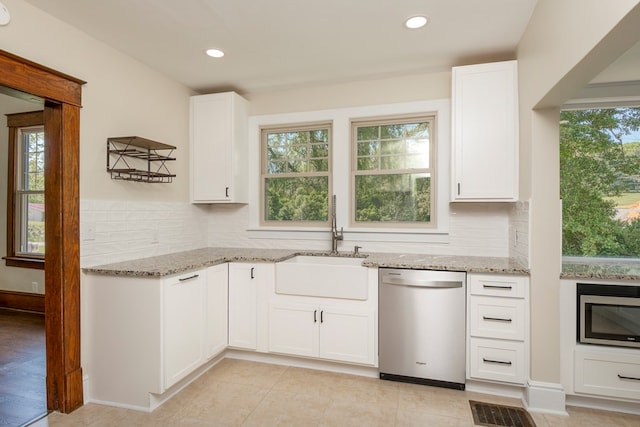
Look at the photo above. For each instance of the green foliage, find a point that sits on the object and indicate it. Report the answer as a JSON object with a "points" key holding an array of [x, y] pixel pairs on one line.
{"points": [[594, 167], [393, 198]]}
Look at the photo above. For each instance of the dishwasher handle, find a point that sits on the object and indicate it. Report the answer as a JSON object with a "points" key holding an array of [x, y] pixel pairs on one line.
{"points": [[422, 283]]}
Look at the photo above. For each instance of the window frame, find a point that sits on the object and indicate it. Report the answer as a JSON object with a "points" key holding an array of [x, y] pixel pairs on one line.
{"points": [[430, 117], [264, 175], [341, 117], [15, 123]]}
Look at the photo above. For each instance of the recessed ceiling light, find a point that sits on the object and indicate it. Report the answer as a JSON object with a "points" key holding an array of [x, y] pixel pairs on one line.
{"points": [[416, 22], [215, 53]]}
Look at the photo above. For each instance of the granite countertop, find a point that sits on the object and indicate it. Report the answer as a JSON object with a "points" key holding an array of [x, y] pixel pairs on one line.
{"points": [[165, 265], [600, 268]]}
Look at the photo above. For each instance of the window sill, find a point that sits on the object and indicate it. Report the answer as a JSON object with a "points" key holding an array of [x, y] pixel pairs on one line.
{"points": [[24, 262]]}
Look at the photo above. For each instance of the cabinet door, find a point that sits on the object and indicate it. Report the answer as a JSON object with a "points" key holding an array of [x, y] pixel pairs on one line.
{"points": [[485, 132], [293, 329], [216, 313], [347, 335], [243, 305], [183, 322], [218, 148]]}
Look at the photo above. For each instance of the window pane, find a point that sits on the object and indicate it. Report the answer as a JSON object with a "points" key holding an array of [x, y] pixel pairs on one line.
{"points": [[393, 198], [392, 147], [32, 167], [368, 148], [392, 162], [31, 224], [368, 133], [294, 150], [368, 163], [297, 199]]}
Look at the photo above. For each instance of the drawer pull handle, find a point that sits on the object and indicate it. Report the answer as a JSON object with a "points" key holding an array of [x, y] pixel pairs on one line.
{"points": [[496, 319], [499, 362], [315, 319], [184, 279], [624, 377], [497, 287]]}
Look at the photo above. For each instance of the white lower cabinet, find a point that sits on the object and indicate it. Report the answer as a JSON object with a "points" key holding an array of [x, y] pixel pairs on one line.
{"points": [[147, 334], [335, 330], [217, 312], [333, 333], [183, 325], [614, 373], [248, 285], [497, 324]]}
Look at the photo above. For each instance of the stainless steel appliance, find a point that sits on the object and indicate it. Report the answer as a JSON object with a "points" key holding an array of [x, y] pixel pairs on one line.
{"points": [[422, 326], [608, 314]]}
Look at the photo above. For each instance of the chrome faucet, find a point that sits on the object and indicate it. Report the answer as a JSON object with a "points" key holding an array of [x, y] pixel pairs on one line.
{"points": [[335, 235]]}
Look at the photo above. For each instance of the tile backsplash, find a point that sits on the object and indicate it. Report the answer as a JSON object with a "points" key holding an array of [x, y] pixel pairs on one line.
{"points": [[113, 231]]}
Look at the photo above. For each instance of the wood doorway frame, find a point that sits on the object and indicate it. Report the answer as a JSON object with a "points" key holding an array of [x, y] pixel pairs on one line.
{"points": [[62, 102]]}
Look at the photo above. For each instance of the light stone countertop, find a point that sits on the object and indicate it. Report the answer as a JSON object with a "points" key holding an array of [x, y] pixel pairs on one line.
{"points": [[600, 269], [165, 265]]}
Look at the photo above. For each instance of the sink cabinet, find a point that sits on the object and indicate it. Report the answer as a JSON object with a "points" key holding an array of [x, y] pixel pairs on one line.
{"points": [[218, 148], [485, 132], [334, 329]]}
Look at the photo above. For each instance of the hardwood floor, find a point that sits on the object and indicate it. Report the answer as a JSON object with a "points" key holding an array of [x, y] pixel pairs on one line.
{"points": [[22, 367]]}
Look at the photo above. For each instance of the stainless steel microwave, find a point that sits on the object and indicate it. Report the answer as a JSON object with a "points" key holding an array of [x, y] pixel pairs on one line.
{"points": [[608, 315]]}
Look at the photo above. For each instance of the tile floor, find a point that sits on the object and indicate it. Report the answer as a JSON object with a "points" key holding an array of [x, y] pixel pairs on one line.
{"points": [[242, 393]]}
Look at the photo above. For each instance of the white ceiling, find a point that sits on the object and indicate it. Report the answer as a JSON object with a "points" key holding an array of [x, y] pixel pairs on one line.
{"points": [[282, 43]]}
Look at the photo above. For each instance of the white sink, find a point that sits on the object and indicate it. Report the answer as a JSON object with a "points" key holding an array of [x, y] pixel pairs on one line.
{"points": [[322, 276]]}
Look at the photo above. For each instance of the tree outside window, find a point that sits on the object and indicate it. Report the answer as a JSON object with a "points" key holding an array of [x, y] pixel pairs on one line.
{"points": [[600, 182]]}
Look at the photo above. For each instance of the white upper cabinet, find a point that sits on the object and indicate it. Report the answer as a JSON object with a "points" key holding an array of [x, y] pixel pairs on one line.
{"points": [[485, 132], [218, 148]]}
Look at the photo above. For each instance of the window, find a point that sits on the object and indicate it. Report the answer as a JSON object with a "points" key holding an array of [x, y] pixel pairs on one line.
{"points": [[296, 174], [600, 182], [392, 171], [25, 200]]}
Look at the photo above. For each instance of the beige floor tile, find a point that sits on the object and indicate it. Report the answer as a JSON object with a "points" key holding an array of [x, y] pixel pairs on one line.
{"points": [[283, 408], [245, 372], [310, 382], [237, 392], [417, 418], [434, 400], [221, 404], [346, 414]]}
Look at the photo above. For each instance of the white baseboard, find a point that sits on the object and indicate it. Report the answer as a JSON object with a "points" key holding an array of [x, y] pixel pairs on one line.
{"points": [[548, 398]]}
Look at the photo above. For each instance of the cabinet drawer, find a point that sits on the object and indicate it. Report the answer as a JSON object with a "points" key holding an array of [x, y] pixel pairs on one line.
{"points": [[614, 375], [496, 317], [497, 360], [498, 285]]}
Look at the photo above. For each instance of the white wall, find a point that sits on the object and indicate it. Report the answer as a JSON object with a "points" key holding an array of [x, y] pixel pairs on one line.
{"points": [[566, 44], [122, 97], [13, 278]]}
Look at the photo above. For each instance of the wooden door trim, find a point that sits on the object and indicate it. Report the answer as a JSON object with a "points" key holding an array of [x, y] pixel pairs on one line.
{"points": [[62, 96]]}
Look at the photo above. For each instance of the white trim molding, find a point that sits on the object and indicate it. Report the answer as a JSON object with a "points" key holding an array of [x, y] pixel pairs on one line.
{"points": [[548, 398]]}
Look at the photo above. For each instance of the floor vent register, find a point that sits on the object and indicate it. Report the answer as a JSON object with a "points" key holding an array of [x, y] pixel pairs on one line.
{"points": [[490, 415]]}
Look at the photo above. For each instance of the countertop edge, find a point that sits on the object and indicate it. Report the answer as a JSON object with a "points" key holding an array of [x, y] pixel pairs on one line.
{"points": [[208, 257]]}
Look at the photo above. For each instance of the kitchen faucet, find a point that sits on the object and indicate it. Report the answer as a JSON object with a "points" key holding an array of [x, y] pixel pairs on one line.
{"points": [[335, 235]]}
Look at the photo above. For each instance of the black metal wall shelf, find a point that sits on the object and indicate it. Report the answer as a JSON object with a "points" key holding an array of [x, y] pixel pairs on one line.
{"points": [[132, 158]]}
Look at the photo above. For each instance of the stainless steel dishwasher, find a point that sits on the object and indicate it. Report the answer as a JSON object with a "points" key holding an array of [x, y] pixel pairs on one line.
{"points": [[422, 326]]}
